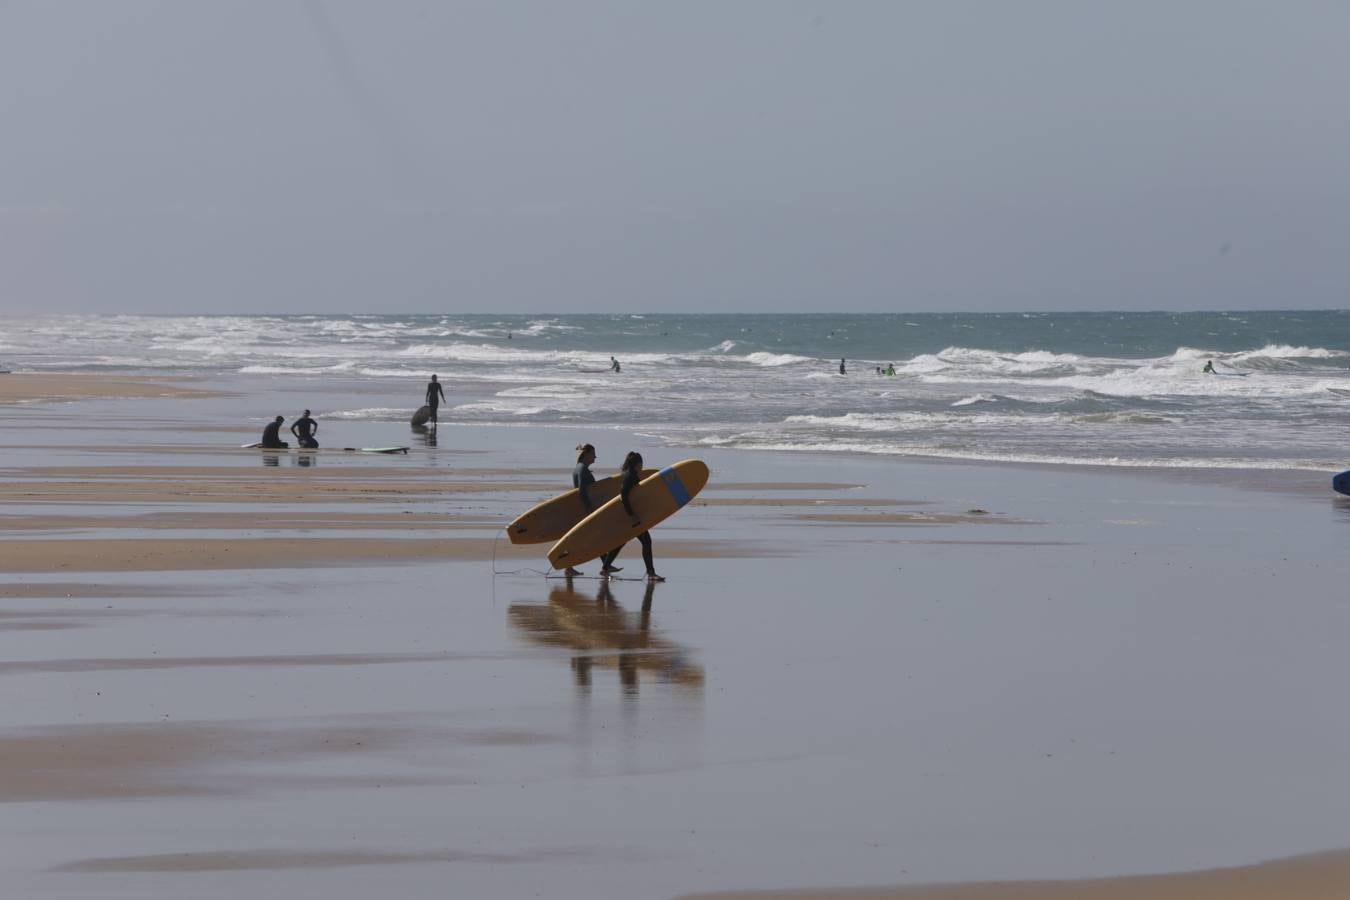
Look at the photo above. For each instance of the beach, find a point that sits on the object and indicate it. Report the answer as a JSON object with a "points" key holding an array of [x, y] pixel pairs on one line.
{"points": [[234, 672]]}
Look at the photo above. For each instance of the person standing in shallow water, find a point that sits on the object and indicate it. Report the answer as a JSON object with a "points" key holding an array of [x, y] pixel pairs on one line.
{"points": [[841, 368], [632, 474], [434, 397], [582, 479]]}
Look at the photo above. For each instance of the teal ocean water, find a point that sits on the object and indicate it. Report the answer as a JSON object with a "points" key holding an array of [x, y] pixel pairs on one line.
{"points": [[1068, 388]]}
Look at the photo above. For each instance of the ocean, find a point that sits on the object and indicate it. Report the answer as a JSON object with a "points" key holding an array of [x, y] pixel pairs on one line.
{"points": [[1117, 389]]}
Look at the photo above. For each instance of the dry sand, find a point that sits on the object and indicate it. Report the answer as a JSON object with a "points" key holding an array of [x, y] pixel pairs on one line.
{"points": [[18, 388], [1324, 876]]}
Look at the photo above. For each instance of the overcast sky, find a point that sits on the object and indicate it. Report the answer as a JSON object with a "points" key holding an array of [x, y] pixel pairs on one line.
{"points": [[729, 155]]}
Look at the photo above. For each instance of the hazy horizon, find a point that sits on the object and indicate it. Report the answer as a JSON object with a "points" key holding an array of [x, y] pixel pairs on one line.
{"points": [[334, 157]]}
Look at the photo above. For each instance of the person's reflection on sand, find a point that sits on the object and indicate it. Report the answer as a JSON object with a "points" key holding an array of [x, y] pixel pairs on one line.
{"points": [[271, 459], [426, 435], [605, 635], [305, 459]]}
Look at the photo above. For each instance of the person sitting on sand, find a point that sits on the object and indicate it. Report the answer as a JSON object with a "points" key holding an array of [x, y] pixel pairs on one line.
{"points": [[1209, 368], [434, 397], [613, 364], [271, 439], [304, 429], [581, 480], [632, 474]]}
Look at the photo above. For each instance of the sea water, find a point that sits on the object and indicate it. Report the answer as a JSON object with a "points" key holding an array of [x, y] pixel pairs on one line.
{"points": [[1122, 389]]}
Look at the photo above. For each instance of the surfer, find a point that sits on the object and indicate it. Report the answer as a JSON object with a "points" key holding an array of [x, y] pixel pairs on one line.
{"points": [[841, 366], [613, 364], [1209, 368], [632, 474], [890, 368], [304, 429], [581, 480], [434, 397], [271, 439]]}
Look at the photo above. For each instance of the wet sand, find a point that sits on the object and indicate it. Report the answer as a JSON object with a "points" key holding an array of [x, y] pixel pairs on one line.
{"points": [[243, 676], [24, 388]]}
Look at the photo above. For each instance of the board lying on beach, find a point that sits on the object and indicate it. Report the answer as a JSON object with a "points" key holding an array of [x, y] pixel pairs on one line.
{"points": [[258, 446], [655, 499], [1341, 483], [421, 416], [551, 519]]}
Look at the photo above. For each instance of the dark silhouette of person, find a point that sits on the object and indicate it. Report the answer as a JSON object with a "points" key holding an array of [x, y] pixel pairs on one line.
{"points": [[434, 397], [271, 438], [304, 429], [842, 370]]}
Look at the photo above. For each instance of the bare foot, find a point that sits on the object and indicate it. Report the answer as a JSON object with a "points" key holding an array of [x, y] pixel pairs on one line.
{"points": [[571, 571], [652, 576]]}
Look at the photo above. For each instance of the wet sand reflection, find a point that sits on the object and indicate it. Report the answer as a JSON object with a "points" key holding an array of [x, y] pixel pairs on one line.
{"points": [[605, 635]]}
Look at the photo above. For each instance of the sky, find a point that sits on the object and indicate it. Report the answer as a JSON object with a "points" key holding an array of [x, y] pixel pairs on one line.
{"points": [[700, 156]]}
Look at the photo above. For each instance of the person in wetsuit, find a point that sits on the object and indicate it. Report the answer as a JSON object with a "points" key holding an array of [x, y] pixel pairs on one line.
{"points": [[1209, 367], [632, 474], [271, 435], [614, 364], [304, 429], [581, 480], [434, 397]]}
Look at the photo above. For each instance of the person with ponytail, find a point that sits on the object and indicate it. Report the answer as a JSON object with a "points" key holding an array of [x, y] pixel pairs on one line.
{"points": [[632, 474]]}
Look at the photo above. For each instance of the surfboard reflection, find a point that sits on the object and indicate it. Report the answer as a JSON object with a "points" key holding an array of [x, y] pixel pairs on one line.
{"points": [[605, 635]]}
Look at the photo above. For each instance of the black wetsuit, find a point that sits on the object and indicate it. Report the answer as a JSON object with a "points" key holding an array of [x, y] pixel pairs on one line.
{"points": [[270, 439], [631, 477], [434, 397], [303, 428], [582, 479]]}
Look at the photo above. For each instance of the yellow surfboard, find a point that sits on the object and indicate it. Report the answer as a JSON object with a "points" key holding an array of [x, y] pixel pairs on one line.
{"points": [[655, 499], [551, 519]]}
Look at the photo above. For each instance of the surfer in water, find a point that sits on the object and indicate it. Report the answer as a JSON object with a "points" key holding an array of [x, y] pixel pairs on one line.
{"points": [[271, 439], [842, 371], [613, 364], [304, 429], [1209, 367], [632, 474], [581, 480], [434, 397]]}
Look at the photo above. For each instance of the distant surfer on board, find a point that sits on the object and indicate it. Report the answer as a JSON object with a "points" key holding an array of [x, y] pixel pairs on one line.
{"points": [[304, 429], [434, 397], [271, 439], [581, 480], [1209, 368], [632, 474]]}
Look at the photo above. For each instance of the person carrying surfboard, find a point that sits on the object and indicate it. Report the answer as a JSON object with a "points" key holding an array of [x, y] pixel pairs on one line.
{"points": [[271, 439], [304, 429], [434, 397], [632, 474], [581, 480]]}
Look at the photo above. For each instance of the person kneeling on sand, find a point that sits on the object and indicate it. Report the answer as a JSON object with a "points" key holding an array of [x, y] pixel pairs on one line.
{"points": [[271, 439], [304, 429]]}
